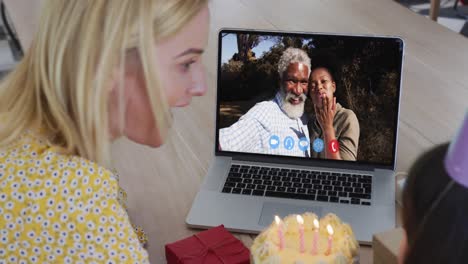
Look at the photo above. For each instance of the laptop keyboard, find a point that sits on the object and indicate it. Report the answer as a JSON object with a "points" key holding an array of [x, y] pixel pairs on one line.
{"points": [[310, 185]]}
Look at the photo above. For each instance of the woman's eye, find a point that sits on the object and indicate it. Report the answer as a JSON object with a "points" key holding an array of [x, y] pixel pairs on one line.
{"points": [[186, 66]]}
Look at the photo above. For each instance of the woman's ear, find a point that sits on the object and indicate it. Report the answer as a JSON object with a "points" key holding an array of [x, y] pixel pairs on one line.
{"points": [[120, 81], [403, 248], [114, 100], [114, 80]]}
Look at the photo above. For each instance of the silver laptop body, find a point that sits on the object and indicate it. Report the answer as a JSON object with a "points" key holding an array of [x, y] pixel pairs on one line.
{"points": [[253, 213]]}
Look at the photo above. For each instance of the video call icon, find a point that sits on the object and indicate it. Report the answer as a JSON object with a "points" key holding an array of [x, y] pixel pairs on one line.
{"points": [[303, 143], [334, 146], [318, 145], [289, 143], [274, 142]]}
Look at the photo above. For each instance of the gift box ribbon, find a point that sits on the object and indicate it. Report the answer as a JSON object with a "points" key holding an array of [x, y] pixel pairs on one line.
{"points": [[212, 249]]}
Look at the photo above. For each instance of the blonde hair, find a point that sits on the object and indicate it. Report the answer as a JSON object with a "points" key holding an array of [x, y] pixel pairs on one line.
{"points": [[62, 83]]}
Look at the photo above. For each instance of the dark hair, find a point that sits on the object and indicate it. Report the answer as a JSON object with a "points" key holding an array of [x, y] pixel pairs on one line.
{"points": [[440, 234], [328, 62]]}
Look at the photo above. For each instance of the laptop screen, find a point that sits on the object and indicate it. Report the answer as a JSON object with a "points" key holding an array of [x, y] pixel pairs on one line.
{"points": [[309, 96]]}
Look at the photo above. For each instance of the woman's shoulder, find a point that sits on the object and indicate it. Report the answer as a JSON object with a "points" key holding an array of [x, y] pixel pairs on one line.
{"points": [[68, 193], [78, 173], [346, 115], [33, 157]]}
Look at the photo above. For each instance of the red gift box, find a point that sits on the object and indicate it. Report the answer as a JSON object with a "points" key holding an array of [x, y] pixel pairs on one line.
{"points": [[212, 246]]}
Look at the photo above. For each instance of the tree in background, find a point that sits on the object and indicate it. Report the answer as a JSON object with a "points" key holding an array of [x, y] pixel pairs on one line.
{"points": [[295, 42], [245, 44], [367, 74]]}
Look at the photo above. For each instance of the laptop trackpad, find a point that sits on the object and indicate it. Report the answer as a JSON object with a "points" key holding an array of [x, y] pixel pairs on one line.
{"points": [[270, 209]]}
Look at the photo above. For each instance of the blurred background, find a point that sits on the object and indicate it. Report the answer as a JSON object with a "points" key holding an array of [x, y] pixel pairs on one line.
{"points": [[452, 14]]}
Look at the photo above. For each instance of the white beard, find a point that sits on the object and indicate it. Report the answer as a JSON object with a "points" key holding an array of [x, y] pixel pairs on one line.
{"points": [[293, 111]]}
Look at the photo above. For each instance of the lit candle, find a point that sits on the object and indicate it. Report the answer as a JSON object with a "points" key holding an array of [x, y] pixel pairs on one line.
{"points": [[300, 220], [279, 224], [330, 239], [315, 241]]}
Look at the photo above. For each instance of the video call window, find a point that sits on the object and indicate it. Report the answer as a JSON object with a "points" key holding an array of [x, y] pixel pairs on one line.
{"points": [[311, 96]]}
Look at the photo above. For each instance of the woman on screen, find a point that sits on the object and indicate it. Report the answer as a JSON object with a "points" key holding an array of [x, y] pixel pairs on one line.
{"points": [[333, 129]]}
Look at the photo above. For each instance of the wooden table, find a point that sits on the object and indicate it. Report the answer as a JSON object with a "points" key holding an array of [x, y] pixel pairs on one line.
{"points": [[161, 183]]}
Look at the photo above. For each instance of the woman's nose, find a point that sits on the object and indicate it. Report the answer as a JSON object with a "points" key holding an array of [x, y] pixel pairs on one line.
{"points": [[198, 90], [199, 87], [320, 87]]}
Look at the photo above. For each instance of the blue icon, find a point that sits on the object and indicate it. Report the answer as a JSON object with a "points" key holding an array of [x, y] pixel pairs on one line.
{"points": [[274, 142], [288, 143], [318, 145], [303, 143]]}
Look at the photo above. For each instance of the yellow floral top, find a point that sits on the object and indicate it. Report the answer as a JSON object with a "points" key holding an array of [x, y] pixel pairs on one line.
{"points": [[61, 209]]}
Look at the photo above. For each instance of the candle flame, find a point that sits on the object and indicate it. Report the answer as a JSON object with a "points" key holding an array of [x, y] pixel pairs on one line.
{"points": [[277, 220], [300, 220], [330, 230], [316, 223]]}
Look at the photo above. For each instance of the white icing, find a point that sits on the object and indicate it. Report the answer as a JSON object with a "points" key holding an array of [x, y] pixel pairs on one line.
{"points": [[345, 247]]}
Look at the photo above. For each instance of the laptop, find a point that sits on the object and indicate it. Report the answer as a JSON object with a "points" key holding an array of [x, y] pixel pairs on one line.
{"points": [[305, 122]]}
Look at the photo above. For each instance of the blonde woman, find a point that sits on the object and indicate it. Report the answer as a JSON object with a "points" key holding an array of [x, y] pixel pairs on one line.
{"points": [[96, 71]]}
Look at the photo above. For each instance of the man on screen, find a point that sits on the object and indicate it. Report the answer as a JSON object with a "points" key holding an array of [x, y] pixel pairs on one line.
{"points": [[277, 126]]}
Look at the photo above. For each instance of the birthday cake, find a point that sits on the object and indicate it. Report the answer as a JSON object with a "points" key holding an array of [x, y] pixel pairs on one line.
{"points": [[300, 240]]}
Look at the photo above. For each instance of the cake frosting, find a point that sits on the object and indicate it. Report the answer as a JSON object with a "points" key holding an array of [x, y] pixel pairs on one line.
{"points": [[344, 248]]}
